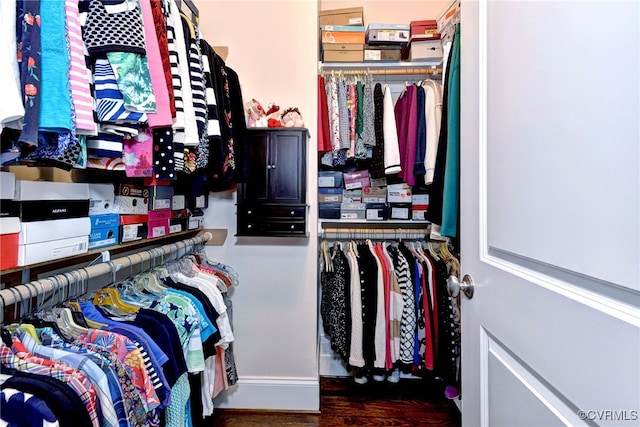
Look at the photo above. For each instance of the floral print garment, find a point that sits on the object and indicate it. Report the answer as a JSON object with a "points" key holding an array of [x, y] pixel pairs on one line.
{"points": [[134, 80], [28, 38]]}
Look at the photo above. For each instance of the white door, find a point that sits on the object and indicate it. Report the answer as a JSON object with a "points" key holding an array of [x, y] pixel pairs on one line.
{"points": [[550, 216]]}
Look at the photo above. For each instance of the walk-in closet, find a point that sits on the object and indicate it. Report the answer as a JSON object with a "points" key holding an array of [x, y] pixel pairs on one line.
{"points": [[319, 212]]}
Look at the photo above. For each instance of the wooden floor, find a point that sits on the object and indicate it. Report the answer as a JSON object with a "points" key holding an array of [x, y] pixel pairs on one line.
{"points": [[344, 403]]}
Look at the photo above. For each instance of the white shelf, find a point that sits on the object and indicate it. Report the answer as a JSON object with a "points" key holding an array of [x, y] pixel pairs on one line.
{"points": [[402, 65]]}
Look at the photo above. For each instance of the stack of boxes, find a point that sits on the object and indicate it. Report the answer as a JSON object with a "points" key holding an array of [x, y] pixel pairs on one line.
{"points": [[104, 223], [425, 43], [132, 204], [54, 220], [342, 34], [385, 42], [9, 222], [344, 37], [356, 196]]}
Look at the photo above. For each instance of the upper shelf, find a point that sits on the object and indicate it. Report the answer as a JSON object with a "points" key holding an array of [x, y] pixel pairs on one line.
{"points": [[419, 66]]}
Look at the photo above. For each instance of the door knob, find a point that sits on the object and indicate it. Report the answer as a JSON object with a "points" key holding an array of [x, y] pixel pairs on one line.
{"points": [[454, 286]]}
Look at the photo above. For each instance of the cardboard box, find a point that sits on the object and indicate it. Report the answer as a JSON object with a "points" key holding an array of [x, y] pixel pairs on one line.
{"points": [[342, 52], [132, 191], [427, 27], [45, 210], [420, 200], [374, 195], [59, 229], [447, 13], [45, 190], [418, 214], [128, 205], [352, 196], [158, 228], [344, 16], [400, 211], [195, 222], [48, 173], [330, 179], [178, 202], [382, 53], [104, 230], [352, 211], [9, 235], [133, 219], [101, 198], [132, 232], [399, 193], [356, 179], [377, 211], [387, 33], [332, 34], [9, 208], [161, 197], [421, 50], [177, 225], [53, 249], [330, 195], [7, 185], [329, 210], [103, 237], [159, 215], [378, 182]]}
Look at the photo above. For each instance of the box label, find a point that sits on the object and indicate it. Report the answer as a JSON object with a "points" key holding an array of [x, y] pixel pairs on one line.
{"points": [[355, 21], [326, 181], [372, 55]]}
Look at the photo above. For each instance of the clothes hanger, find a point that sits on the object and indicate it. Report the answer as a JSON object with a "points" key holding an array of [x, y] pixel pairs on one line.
{"points": [[27, 327], [110, 298]]}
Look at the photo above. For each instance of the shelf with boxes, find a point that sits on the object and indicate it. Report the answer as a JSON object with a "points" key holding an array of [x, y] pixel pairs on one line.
{"points": [[345, 39], [43, 221], [354, 196]]}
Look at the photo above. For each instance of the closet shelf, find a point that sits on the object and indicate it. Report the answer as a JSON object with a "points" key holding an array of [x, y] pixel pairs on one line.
{"points": [[27, 273], [416, 67]]}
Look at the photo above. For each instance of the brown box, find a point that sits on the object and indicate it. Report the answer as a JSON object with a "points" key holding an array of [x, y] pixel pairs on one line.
{"points": [[334, 52], [334, 34], [382, 53], [428, 27], [346, 16]]}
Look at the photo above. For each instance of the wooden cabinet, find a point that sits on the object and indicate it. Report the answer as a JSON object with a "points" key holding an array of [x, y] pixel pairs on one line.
{"points": [[273, 199]]}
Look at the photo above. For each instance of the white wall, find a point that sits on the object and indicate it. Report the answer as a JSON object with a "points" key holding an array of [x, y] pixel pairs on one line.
{"points": [[274, 311], [273, 48]]}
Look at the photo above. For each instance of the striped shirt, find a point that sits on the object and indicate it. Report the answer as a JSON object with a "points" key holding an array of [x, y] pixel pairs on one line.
{"points": [[79, 75]]}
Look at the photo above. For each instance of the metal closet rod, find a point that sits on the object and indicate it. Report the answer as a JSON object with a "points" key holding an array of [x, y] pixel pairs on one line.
{"points": [[374, 233], [386, 72], [54, 289]]}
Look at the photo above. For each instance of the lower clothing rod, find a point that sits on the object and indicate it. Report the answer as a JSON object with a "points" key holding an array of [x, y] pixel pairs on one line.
{"points": [[54, 289]]}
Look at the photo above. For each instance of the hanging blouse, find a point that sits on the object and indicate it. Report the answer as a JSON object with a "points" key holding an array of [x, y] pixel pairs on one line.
{"points": [[161, 117], [12, 106], [55, 113], [389, 129], [324, 136], [114, 26], [79, 74], [28, 38], [24, 409], [135, 409], [110, 106], [138, 155], [163, 47]]}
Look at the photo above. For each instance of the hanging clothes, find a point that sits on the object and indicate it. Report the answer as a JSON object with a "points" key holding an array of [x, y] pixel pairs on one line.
{"points": [[400, 317]]}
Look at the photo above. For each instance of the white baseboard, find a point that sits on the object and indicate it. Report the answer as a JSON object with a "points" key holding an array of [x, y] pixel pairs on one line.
{"points": [[290, 394]]}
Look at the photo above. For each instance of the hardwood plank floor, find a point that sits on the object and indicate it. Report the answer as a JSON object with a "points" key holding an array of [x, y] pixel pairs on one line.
{"points": [[344, 403]]}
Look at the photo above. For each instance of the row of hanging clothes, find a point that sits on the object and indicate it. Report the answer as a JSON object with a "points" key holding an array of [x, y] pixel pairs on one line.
{"points": [[364, 119], [126, 85], [386, 310], [153, 350], [411, 135]]}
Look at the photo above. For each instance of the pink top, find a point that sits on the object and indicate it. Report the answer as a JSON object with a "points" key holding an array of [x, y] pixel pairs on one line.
{"points": [[162, 116], [78, 72]]}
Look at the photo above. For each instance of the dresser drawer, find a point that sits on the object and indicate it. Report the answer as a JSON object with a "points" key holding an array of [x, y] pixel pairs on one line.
{"points": [[293, 212], [284, 227]]}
